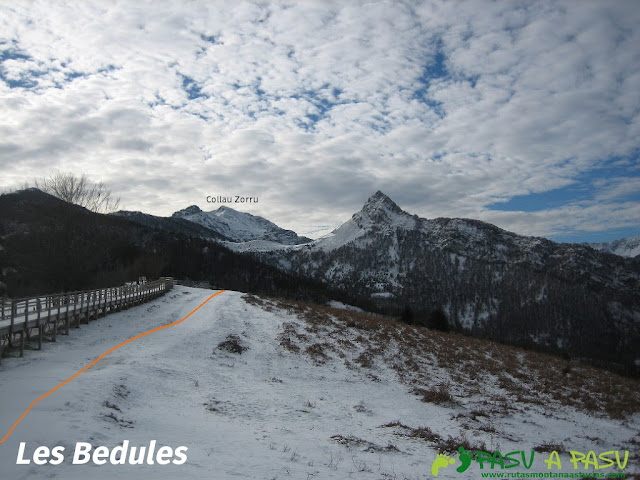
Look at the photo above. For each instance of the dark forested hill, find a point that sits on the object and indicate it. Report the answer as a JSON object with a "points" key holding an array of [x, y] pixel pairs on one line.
{"points": [[47, 245]]}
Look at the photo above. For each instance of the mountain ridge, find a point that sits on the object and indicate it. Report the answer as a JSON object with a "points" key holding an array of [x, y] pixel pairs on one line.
{"points": [[239, 226], [171, 224], [625, 247], [528, 291]]}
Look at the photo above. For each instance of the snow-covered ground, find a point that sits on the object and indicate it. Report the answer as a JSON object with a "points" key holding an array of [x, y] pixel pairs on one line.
{"points": [[270, 412]]}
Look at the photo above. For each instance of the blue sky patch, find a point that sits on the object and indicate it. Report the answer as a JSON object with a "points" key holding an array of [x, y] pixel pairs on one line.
{"points": [[596, 237], [322, 100], [213, 39], [10, 52], [586, 187], [534, 202], [191, 87], [433, 70]]}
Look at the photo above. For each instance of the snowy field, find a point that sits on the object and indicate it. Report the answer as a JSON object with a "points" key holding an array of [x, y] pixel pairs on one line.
{"points": [[267, 412]]}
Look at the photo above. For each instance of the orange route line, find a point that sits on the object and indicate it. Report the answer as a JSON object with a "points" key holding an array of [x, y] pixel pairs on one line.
{"points": [[100, 358]]}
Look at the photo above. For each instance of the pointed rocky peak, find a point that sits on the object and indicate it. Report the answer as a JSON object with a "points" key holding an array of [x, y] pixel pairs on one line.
{"points": [[378, 200], [379, 216], [192, 210], [380, 209]]}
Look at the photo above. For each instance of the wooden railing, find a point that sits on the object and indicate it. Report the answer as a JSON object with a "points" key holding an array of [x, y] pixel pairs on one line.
{"points": [[49, 313]]}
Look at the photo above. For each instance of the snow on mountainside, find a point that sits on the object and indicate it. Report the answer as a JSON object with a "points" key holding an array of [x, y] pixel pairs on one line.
{"points": [[380, 212], [523, 290], [171, 224], [240, 226], [262, 389], [625, 247]]}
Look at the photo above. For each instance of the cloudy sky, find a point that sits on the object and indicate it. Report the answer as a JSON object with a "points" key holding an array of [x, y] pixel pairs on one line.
{"points": [[523, 114]]}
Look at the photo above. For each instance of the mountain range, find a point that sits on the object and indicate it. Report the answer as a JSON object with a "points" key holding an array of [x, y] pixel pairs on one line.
{"points": [[489, 282], [240, 226], [530, 291], [571, 298], [625, 247]]}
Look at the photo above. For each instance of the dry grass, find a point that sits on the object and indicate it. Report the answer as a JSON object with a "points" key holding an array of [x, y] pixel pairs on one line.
{"points": [[450, 445], [550, 447], [423, 433], [287, 336], [317, 351], [351, 442], [365, 359], [440, 395], [507, 378]]}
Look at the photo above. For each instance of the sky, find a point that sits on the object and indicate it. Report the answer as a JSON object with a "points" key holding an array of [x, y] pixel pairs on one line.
{"points": [[522, 114]]}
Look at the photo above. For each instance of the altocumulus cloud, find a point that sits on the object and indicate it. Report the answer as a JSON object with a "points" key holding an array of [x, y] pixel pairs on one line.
{"points": [[524, 114]]}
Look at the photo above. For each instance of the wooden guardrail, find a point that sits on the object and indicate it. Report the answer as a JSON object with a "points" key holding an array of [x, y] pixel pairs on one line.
{"points": [[47, 314]]}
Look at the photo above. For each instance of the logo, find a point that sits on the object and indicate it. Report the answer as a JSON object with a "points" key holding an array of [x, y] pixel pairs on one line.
{"points": [[441, 461], [444, 461], [519, 458]]}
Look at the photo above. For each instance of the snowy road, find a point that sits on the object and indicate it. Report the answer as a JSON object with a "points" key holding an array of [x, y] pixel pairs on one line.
{"points": [[257, 415], [268, 413], [76, 412]]}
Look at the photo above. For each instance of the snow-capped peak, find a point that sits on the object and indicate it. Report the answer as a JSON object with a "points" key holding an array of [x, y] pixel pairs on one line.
{"points": [[192, 210], [240, 226], [379, 201], [378, 213], [381, 211]]}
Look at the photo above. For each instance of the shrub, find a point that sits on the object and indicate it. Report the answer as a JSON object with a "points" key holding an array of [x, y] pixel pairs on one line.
{"points": [[438, 395], [233, 344]]}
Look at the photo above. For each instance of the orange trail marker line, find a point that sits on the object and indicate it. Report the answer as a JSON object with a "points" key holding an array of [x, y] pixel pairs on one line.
{"points": [[100, 358]]}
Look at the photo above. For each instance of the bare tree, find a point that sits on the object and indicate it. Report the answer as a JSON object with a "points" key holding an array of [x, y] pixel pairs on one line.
{"points": [[80, 190]]}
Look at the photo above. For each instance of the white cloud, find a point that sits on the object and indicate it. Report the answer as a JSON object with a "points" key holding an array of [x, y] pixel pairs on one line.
{"points": [[315, 105]]}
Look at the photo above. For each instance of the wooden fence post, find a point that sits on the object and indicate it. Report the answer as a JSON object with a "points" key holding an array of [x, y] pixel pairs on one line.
{"points": [[48, 310], [13, 319], [39, 324], [25, 327]]}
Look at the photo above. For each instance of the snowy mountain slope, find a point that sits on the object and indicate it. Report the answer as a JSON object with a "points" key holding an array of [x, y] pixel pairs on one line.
{"points": [[317, 393], [379, 214], [240, 226], [172, 224], [522, 290], [625, 247]]}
